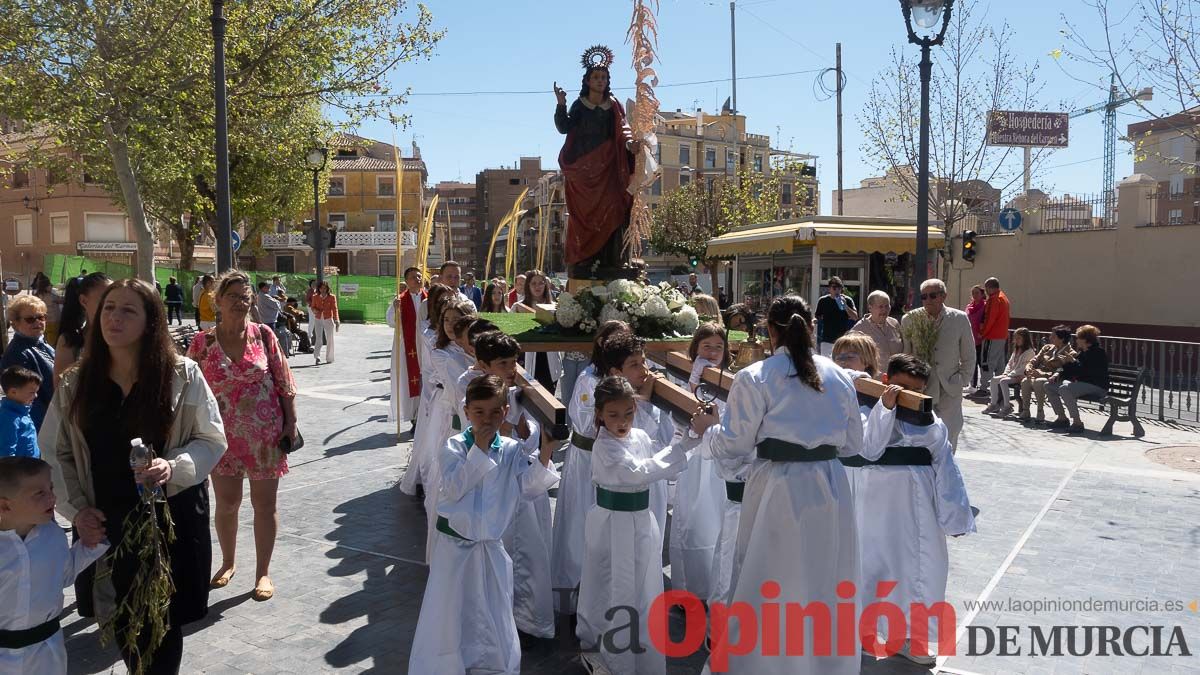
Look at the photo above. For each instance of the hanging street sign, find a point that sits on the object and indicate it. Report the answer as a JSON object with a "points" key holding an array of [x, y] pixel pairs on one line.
{"points": [[1029, 129]]}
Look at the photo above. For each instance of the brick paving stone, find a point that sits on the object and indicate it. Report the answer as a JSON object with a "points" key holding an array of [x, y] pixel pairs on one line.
{"points": [[349, 574]]}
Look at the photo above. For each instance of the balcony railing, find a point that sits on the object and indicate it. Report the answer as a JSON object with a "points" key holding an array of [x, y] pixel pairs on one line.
{"points": [[345, 240]]}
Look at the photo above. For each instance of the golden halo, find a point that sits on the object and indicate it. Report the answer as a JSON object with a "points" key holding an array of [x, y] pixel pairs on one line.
{"points": [[597, 55]]}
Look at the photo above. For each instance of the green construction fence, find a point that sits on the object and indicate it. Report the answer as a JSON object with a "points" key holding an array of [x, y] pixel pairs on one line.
{"points": [[360, 298]]}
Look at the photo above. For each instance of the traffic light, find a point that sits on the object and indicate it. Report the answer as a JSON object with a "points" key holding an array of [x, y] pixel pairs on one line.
{"points": [[331, 238], [694, 261], [968, 246]]}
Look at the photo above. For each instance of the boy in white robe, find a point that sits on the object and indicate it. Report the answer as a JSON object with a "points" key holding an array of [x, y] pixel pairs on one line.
{"points": [[528, 539], [36, 564], [466, 623], [623, 565], [908, 500]]}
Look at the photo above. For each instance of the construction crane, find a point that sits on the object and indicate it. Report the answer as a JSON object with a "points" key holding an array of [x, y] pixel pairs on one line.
{"points": [[1115, 100]]}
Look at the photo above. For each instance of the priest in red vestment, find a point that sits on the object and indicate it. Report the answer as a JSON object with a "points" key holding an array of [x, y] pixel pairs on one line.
{"points": [[406, 373]]}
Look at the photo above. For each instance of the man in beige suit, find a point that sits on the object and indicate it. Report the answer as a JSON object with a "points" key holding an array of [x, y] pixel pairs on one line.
{"points": [[953, 355]]}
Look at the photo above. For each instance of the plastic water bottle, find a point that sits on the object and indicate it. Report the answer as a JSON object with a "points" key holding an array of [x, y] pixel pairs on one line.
{"points": [[140, 456], [841, 302]]}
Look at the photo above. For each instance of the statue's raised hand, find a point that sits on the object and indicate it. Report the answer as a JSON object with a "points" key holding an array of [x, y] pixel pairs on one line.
{"points": [[561, 94]]}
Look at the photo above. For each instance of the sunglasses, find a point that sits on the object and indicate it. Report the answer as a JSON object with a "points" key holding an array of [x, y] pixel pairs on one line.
{"points": [[930, 296], [34, 319]]}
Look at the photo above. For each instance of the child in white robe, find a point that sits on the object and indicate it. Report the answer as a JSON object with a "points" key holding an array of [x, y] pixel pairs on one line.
{"points": [[795, 413], [575, 494], [623, 565], [466, 623], [428, 316], [449, 362], [911, 497], [528, 540], [36, 564], [700, 498]]}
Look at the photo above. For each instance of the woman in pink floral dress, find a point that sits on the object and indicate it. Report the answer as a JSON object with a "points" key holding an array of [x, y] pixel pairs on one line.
{"points": [[245, 368]]}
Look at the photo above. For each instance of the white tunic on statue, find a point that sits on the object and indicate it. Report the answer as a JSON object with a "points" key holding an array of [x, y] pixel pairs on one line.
{"points": [[402, 406], [466, 622], [905, 513], [623, 565], [33, 573], [699, 505], [797, 525], [448, 365], [575, 494]]}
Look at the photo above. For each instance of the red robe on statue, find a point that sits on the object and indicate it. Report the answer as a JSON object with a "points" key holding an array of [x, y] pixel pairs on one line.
{"points": [[598, 200]]}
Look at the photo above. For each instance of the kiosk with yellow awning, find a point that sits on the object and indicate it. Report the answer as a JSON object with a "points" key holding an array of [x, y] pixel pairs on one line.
{"points": [[799, 256]]}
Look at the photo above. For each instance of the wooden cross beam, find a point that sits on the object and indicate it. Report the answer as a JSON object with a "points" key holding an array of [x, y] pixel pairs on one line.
{"points": [[913, 407], [549, 412]]}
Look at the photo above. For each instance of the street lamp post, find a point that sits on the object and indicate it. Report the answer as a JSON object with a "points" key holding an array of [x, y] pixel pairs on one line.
{"points": [[224, 218], [316, 159], [931, 17]]}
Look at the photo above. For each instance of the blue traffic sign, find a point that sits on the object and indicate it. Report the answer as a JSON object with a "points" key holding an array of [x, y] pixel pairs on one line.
{"points": [[1010, 220], [236, 239]]}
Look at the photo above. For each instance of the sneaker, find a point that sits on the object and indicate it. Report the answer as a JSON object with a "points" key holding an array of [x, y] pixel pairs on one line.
{"points": [[1024, 418], [1006, 411], [919, 660], [1060, 423], [317, 359], [593, 664], [989, 410], [1077, 428]]}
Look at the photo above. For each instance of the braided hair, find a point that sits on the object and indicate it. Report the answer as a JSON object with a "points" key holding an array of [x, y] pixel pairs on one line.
{"points": [[792, 319]]}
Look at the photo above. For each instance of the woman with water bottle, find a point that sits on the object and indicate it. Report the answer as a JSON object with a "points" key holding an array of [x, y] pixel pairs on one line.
{"points": [[133, 386]]}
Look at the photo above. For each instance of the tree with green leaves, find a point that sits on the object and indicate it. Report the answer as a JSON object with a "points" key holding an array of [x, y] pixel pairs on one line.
{"points": [[689, 216], [125, 87]]}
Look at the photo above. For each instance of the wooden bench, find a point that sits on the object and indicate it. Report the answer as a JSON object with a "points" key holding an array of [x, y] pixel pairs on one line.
{"points": [[1124, 386]]}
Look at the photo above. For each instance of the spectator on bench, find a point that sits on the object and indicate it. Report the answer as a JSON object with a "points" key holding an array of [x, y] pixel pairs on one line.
{"points": [[1052, 356], [1086, 376]]}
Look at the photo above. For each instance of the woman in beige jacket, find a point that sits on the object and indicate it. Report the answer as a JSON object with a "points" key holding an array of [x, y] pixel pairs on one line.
{"points": [[132, 384]]}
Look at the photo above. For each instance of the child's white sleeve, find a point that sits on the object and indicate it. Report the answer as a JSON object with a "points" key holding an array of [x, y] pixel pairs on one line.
{"points": [[630, 470], [535, 478], [951, 503], [81, 557], [461, 472], [877, 430]]}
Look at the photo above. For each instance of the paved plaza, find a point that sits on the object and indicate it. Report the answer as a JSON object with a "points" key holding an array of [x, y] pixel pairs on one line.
{"points": [[1061, 519]]}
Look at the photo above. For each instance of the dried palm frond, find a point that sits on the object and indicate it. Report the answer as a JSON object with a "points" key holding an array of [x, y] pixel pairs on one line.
{"points": [[643, 36]]}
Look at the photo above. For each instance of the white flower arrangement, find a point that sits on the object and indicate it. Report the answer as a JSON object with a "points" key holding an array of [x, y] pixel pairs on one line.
{"points": [[654, 311]]}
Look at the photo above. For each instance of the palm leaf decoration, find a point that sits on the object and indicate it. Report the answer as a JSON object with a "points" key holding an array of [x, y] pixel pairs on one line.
{"points": [[643, 36]]}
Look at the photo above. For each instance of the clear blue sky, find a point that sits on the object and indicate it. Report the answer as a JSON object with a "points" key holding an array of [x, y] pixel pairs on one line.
{"points": [[526, 45]]}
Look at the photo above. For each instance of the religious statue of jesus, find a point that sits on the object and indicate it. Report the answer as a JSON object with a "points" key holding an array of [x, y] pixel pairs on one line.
{"points": [[597, 161]]}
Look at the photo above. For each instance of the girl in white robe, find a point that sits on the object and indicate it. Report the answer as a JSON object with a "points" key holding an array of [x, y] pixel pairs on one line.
{"points": [[699, 503], [428, 315], [908, 500], [797, 528], [575, 494], [466, 623], [449, 361], [623, 562]]}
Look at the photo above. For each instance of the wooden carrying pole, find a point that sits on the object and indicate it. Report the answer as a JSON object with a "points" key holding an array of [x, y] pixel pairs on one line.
{"points": [[549, 412], [914, 407]]}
